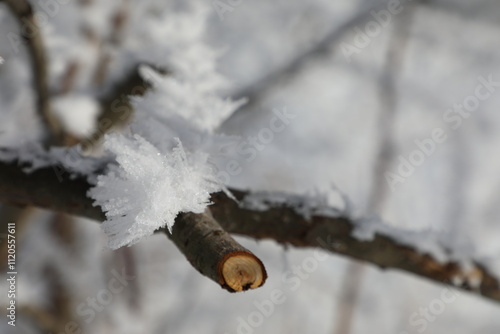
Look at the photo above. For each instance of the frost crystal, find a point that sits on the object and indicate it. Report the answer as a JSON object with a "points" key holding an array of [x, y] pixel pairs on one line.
{"points": [[156, 178], [147, 189]]}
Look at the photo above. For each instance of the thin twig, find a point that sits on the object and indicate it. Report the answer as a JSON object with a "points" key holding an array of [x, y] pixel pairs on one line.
{"points": [[69, 77], [256, 90], [383, 159], [348, 297], [24, 14], [116, 109]]}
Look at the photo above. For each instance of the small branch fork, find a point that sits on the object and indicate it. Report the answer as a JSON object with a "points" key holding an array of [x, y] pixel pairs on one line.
{"points": [[203, 238], [206, 244]]}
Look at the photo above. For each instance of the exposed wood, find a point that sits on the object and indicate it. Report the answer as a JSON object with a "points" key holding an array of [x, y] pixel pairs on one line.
{"points": [[215, 254], [210, 249], [281, 223]]}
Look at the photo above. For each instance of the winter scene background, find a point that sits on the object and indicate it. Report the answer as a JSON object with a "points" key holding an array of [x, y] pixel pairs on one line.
{"points": [[386, 112]]}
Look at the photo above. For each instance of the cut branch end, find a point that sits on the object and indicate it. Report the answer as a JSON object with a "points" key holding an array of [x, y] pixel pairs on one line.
{"points": [[241, 271], [215, 254]]}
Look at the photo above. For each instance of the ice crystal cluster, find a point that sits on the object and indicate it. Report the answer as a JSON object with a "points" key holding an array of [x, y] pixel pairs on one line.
{"points": [[161, 168]]}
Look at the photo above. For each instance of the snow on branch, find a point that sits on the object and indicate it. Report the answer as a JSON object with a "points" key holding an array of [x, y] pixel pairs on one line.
{"points": [[210, 249], [154, 177], [278, 221], [386, 247], [147, 189]]}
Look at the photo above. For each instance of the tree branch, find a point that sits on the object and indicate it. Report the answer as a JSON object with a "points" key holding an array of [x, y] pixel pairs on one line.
{"points": [[210, 249], [285, 225], [215, 254], [115, 104], [116, 107], [281, 223], [23, 12]]}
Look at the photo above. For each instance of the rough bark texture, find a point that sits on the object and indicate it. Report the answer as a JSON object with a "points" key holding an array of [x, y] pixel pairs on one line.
{"points": [[49, 188], [216, 254], [286, 226], [210, 249], [283, 224]]}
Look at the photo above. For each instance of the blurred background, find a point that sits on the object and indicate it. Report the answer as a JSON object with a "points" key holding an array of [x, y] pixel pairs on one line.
{"points": [[364, 82]]}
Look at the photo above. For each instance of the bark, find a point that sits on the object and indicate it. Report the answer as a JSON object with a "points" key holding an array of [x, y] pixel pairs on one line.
{"points": [[281, 223], [215, 254], [210, 249]]}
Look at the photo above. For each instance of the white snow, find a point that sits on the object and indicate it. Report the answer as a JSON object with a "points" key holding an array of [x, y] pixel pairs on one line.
{"points": [[148, 188], [77, 113]]}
